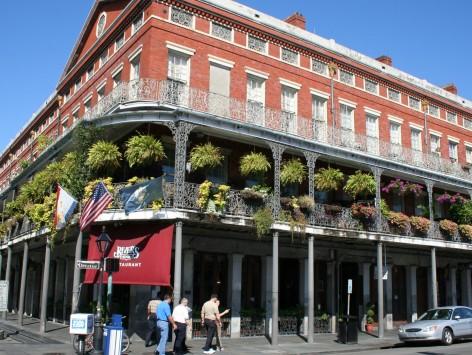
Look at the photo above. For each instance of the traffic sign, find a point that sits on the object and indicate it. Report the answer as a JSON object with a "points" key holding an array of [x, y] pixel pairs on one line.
{"points": [[349, 286], [3, 295], [86, 264]]}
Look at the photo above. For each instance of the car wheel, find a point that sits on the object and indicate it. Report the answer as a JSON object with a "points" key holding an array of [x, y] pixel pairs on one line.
{"points": [[447, 336]]}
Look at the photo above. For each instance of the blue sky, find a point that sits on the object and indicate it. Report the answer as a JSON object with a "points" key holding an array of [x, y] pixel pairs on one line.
{"points": [[429, 39]]}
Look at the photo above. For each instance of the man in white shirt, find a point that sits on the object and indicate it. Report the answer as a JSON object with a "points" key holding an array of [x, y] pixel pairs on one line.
{"points": [[182, 319]]}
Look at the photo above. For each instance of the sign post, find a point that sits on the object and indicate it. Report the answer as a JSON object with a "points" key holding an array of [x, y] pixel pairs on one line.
{"points": [[3, 295], [349, 291]]}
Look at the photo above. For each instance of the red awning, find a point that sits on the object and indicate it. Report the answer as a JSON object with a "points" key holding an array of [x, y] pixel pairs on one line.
{"points": [[144, 252]]}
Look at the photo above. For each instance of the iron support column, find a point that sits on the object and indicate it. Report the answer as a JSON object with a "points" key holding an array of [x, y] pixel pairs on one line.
{"points": [[277, 151], [44, 293], [275, 289], [311, 290], [21, 307], [7, 274], [434, 285], [178, 263], [378, 197], [429, 188], [380, 293]]}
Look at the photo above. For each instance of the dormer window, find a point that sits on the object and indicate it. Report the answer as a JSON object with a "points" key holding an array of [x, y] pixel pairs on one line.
{"points": [[101, 24]]}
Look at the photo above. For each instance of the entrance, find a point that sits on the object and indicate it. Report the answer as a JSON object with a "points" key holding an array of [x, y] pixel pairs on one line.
{"points": [[210, 276], [289, 271], [349, 271], [422, 289], [399, 293]]}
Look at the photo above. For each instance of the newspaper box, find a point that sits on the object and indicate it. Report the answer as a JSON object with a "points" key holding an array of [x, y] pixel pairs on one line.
{"points": [[81, 324]]}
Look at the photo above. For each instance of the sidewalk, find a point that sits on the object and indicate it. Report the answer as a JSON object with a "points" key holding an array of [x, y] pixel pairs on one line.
{"points": [[57, 341]]}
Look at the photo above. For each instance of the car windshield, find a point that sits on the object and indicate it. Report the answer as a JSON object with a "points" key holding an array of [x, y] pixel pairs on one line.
{"points": [[437, 314]]}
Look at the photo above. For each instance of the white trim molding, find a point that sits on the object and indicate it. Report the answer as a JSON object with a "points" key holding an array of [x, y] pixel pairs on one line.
{"points": [[347, 103], [395, 119], [453, 139], [290, 84], [135, 53], [416, 126], [220, 61], [468, 144], [372, 111], [435, 133], [117, 69], [322, 94], [179, 48], [258, 73]]}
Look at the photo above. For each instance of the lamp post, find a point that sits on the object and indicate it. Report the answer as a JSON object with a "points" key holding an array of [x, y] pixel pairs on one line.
{"points": [[103, 243]]}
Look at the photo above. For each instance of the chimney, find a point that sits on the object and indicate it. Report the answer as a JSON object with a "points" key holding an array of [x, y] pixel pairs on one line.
{"points": [[297, 19], [451, 88], [385, 59]]}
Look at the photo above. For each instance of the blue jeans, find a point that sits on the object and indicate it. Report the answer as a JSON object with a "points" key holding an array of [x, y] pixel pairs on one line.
{"points": [[164, 328]]}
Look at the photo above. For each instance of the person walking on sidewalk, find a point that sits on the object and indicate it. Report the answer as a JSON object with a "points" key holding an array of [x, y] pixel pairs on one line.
{"points": [[182, 319], [219, 326], [163, 319], [152, 334], [210, 316]]}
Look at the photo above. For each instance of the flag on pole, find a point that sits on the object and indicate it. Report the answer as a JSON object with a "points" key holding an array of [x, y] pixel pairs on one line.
{"points": [[99, 201], [65, 207], [140, 195]]}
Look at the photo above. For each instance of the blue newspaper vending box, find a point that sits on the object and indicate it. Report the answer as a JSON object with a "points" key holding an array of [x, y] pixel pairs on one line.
{"points": [[113, 336]]}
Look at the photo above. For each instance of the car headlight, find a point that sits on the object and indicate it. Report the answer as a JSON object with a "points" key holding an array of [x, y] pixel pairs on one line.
{"points": [[401, 330], [431, 328]]}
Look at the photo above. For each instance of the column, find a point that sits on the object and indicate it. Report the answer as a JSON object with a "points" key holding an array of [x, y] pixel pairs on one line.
{"points": [[365, 292], [181, 132], [411, 305], [66, 288], [24, 268], [429, 189], [188, 275], [236, 277], [58, 288], [303, 291], [434, 283], [44, 291], [1, 264], [380, 293], [466, 287], [7, 273], [277, 151], [378, 197], [267, 295], [389, 299], [311, 290], [311, 164], [76, 282], [16, 284], [177, 263], [275, 288], [331, 293], [452, 286]]}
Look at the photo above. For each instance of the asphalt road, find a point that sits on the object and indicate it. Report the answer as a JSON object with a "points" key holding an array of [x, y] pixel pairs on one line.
{"points": [[461, 348]]}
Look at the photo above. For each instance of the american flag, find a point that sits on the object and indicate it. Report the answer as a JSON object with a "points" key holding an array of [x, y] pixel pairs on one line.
{"points": [[99, 201]]}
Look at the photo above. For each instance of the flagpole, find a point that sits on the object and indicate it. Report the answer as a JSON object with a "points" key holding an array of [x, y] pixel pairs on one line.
{"points": [[78, 256]]}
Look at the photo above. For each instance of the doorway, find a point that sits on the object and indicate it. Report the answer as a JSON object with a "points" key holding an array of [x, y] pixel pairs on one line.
{"points": [[399, 293], [349, 271]]}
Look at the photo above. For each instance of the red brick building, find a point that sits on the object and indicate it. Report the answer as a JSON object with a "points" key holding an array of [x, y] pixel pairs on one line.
{"points": [[218, 70]]}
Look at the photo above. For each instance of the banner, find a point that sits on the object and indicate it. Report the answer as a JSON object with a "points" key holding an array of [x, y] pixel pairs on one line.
{"points": [[144, 252]]}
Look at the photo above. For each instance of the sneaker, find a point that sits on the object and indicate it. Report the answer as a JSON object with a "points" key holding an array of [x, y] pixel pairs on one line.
{"points": [[211, 351]]}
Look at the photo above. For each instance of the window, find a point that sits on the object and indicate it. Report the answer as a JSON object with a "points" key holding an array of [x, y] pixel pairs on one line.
{"points": [[221, 31], [101, 92], [289, 56], [134, 68], [89, 73], [451, 117], [319, 67], [416, 139], [467, 123], [435, 144], [394, 95], [87, 104], [75, 115], [119, 42], [433, 110], [101, 24], [255, 99], [137, 23], [346, 77], [117, 77], [51, 118], [371, 86], [468, 154], [347, 117], [289, 109], [453, 151], [219, 89], [178, 67], [372, 133], [414, 102], [257, 44], [320, 118], [181, 17], [103, 58], [395, 133], [77, 85]]}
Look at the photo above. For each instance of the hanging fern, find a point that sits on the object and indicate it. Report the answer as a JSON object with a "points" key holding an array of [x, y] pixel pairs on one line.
{"points": [[328, 179], [143, 150], [254, 164], [205, 156], [360, 184], [293, 171], [104, 155]]}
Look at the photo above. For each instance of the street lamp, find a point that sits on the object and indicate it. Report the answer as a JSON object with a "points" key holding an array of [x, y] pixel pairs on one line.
{"points": [[103, 243]]}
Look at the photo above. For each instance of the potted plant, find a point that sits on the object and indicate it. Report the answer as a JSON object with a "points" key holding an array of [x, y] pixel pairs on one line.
{"points": [[293, 171], [365, 213], [220, 197], [204, 192], [142, 150], [104, 156], [360, 184], [205, 156], [420, 224], [370, 315], [328, 179], [399, 221], [254, 164], [306, 203], [466, 232], [263, 221], [256, 193], [448, 227]]}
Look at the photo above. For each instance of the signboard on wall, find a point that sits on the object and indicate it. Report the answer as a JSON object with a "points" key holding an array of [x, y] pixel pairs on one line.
{"points": [[3, 295]]}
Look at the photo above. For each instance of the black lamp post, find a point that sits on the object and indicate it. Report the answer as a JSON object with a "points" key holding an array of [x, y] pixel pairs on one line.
{"points": [[103, 243]]}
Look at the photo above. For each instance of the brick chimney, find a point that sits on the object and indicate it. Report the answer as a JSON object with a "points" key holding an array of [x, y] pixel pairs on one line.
{"points": [[385, 59], [297, 19], [451, 88]]}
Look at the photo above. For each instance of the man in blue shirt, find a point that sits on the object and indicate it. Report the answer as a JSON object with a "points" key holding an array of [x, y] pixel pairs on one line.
{"points": [[164, 317]]}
